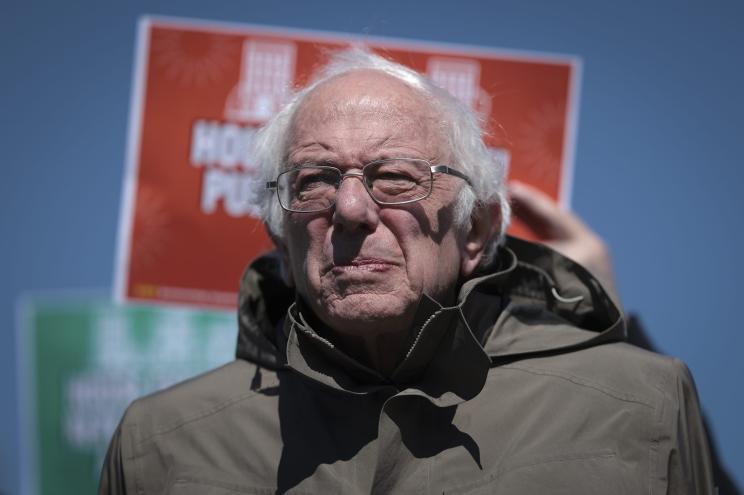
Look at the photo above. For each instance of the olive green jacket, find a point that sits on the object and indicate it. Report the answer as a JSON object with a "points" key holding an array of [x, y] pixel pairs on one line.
{"points": [[524, 387]]}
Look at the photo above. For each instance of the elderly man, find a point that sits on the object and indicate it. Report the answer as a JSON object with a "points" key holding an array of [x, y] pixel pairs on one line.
{"points": [[395, 344]]}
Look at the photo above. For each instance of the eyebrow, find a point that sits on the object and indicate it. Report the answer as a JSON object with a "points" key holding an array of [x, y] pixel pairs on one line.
{"points": [[325, 163]]}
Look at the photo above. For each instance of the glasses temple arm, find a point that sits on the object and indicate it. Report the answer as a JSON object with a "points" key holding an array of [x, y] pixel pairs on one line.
{"points": [[446, 169]]}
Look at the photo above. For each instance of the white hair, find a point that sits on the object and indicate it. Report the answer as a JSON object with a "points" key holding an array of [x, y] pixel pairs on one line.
{"points": [[464, 133]]}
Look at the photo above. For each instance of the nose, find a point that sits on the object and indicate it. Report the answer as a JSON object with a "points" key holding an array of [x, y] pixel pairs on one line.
{"points": [[354, 209]]}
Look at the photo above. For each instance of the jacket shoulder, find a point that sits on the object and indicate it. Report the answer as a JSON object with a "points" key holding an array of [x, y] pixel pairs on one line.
{"points": [[619, 369], [195, 399], [657, 392], [156, 438]]}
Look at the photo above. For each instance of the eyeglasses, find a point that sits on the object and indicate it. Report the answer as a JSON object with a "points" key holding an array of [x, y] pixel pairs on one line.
{"points": [[394, 181]]}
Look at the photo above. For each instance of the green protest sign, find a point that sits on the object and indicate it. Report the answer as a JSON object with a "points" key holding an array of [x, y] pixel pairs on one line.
{"points": [[83, 361]]}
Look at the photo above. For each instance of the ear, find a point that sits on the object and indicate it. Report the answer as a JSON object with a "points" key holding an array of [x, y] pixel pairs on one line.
{"points": [[484, 224], [284, 265]]}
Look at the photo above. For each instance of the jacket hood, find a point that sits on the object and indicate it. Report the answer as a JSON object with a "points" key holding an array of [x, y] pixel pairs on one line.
{"points": [[542, 303], [263, 302], [549, 305]]}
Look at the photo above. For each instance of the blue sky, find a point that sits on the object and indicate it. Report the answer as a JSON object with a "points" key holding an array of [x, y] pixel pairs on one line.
{"points": [[658, 167]]}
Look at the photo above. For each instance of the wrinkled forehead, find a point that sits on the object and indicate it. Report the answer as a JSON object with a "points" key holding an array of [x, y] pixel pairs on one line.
{"points": [[360, 95]]}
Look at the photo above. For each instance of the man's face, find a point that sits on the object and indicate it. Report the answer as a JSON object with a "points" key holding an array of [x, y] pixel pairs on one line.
{"points": [[362, 267]]}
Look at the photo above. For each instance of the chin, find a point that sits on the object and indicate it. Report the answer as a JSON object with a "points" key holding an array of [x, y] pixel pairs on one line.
{"points": [[370, 314]]}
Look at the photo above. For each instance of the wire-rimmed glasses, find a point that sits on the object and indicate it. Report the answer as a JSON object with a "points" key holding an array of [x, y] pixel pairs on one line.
{"points": [[392, 181]]}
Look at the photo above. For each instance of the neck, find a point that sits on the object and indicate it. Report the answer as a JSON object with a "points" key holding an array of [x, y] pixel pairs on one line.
{"points": [[380, 345]]}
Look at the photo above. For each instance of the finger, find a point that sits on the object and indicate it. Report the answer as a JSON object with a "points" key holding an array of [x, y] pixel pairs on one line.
{"points": [[540, 212]]}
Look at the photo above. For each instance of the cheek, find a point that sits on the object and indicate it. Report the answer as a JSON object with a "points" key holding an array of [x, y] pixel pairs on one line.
{"points": [[305, 239], [430, 250]]}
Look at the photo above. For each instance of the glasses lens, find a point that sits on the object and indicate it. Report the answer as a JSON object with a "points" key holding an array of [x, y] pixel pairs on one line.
{"points": [[308, 188], [398, 180]]}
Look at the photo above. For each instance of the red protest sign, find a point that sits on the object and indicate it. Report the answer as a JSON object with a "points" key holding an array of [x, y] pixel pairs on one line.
{"points": [[202, 90]]}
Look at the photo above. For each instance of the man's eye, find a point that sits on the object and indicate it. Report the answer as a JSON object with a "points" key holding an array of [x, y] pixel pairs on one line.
{"points": [[394, 177], [397, 171], [307, 181]]}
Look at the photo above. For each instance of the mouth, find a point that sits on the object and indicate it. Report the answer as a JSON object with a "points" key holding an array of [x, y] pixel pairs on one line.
{"points": [[362, 265]]}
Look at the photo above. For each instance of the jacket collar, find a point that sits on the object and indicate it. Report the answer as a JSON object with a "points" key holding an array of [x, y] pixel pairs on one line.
{"points": [[541, 302], [444, 362]]}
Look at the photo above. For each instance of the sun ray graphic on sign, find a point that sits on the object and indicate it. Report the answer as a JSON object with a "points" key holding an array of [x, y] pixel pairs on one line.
{"points": [[193, 59], [540, 142], [153, 223]]}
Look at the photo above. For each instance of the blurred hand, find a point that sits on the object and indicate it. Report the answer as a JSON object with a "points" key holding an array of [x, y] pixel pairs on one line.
{"points": [[562, 231]]}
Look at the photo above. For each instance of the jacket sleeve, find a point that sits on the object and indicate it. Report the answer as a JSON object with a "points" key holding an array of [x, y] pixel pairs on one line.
{"points": [[689, 461], [112, 473]]}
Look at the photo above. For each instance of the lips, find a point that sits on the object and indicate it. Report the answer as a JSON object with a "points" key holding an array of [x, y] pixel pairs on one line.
{"points": [[362, 265]]}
